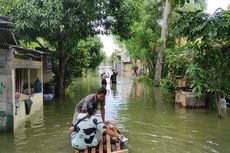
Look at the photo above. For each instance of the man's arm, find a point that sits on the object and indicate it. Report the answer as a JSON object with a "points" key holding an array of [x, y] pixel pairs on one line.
{"points": [[112, 133], [77, 110]]}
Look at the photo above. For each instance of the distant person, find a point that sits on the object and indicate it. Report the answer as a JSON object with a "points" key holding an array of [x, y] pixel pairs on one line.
{"points": [[113, 77], [98, 98], [135, 69], [104, 75], [87, 132]]}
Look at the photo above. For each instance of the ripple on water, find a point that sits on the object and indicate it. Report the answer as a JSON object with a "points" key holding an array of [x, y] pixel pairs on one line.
{"points": [[151, 124]]}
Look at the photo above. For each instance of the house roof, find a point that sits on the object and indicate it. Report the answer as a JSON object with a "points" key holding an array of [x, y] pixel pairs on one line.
{"points": [[5, 22], [7, 37], [8, 40]]}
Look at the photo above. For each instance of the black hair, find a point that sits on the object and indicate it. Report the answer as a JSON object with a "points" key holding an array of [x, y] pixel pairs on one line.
{"points": [[91, 108], [101, 90]]}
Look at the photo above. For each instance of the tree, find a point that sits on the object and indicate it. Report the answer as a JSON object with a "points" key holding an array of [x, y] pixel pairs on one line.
{"points": [[170, 5], [208, 39], [164, 33], [94, 46], [5, 6], [64, 23], [142, 43], [86, 55]]}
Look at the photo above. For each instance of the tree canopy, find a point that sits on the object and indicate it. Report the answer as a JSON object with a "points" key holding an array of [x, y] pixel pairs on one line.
{"points": [[208, 43], [63, 23]]}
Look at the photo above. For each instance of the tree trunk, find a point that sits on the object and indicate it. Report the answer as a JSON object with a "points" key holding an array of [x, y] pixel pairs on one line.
{"points": [[218, 104], [61, 73], [164, 33]]}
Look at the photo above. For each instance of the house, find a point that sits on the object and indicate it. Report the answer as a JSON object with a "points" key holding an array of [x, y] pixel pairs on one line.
{"points": [[21, 79]]}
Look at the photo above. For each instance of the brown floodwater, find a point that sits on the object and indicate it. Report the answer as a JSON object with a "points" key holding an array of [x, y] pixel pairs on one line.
{"points": [[144, 114]]}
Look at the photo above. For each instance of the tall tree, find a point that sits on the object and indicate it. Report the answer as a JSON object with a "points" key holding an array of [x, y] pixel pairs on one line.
{"points": [[145, 33], [164, 33], [63, 23], [86, 55], [170, 5]]}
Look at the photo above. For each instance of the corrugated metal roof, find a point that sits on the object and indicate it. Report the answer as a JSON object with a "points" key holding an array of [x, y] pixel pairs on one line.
{"points": [[28, 50]]}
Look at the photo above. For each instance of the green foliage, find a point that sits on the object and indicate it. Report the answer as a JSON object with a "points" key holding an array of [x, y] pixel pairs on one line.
{"points": [[145, 34], [64, 23], [208, 37], [144, 79], [93, 46], [168, 83], [180, 2], [5, 6], [122, 13], [199, 83], [29, 44], [199, 25], [71, 20], [178, 60], [209, 70], [86, 55], [191, 6], [55, 19]]}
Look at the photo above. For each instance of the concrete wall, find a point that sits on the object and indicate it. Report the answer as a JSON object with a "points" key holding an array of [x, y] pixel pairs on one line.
{"points": [[20, 111], [188, 100], [19, 103], [12, 104], [6, 90]]}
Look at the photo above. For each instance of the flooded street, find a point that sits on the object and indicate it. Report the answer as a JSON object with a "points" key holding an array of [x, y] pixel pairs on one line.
{"points": [[146, 115]]}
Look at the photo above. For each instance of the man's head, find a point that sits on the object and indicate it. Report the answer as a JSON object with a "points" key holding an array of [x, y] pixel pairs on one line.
{"points": [[91, 108], [100, 95]]}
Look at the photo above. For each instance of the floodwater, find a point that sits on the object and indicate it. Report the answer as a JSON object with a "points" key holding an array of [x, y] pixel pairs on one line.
{"points": [[146, 115]]}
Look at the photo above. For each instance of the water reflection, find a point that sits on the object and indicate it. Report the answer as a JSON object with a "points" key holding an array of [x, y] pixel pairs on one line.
{"points": [[114, 90], [146, 115], [157, 125]]}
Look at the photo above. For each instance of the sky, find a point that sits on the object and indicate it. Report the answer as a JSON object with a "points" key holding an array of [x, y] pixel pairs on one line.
{"points": [[109, 46], [214, 4], [108, 43]]}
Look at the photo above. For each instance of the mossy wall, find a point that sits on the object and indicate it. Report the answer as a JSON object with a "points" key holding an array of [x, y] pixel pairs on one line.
{"points": [[6, 90]]}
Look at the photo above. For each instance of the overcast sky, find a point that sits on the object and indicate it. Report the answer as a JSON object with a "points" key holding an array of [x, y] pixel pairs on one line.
{"points": [[214, 4]]}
